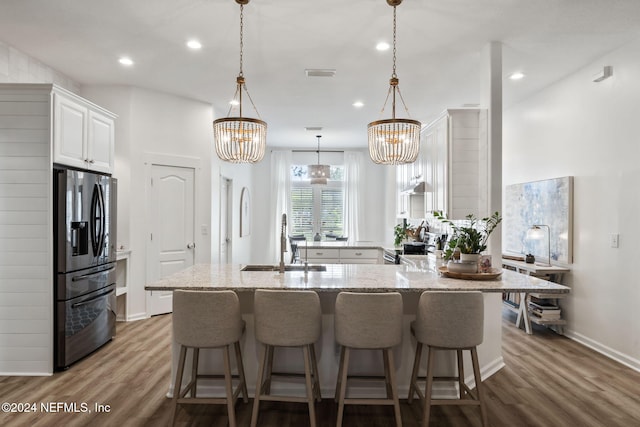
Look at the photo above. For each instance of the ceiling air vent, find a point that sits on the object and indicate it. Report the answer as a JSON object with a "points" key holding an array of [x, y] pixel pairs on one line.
{"points": [[318, 72], [313, 128]]}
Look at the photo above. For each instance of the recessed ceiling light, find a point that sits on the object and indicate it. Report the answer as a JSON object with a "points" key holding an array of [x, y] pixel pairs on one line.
{"points": [[358, 104], [126, 61], [518, 75], [382, 46], [194, 44]]}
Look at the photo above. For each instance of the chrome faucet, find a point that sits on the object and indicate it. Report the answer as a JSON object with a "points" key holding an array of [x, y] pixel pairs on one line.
{"points": [[283, 241]]}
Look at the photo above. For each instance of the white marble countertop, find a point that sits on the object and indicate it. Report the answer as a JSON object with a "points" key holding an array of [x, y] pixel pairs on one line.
{"points": [[417, 276]]}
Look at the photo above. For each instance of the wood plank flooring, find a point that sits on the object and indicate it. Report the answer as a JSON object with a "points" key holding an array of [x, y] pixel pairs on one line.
{"points": [[548, 380]]}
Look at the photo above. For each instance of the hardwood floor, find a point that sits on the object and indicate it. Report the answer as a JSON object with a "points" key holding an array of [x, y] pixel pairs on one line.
{"points": [[549, 380]]}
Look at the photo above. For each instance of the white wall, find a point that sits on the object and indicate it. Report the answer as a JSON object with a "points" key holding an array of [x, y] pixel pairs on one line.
{"points": [[241, 176], [589, 130], [154, 123], [18, 67]]}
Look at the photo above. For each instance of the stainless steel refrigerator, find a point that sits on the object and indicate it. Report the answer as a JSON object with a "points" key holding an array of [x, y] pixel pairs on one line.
{"points": [[85, 263]]}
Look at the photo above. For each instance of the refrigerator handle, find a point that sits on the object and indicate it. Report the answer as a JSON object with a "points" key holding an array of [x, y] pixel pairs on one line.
{"points": [[95, 273], [89, 301]]}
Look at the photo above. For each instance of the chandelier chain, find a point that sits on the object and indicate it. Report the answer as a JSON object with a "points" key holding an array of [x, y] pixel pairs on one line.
{"points": [[241, 36], [394, 75]]}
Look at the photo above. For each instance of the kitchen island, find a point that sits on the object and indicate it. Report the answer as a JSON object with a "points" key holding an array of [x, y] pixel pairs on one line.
{"points": [[410, 279]]}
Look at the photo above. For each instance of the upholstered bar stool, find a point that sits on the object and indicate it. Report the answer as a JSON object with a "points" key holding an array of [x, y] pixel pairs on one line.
{"points": [[287, 319], [369, 321], [208, 319], [448, 321]]}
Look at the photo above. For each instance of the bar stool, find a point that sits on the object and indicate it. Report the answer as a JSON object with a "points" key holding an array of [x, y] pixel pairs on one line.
{"points": [[371, 321], [287, 319], [208, 319], [448, 321]]}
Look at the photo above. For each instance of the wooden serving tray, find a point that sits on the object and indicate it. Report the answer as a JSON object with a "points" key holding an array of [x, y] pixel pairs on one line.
{"points": [[494, 274]]}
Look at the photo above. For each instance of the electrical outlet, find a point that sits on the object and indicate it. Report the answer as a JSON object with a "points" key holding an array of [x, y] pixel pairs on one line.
{"points": [[615, 240]]}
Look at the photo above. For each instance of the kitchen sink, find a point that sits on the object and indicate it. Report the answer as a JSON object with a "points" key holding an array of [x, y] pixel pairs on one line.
{"points": [[289, 267]]}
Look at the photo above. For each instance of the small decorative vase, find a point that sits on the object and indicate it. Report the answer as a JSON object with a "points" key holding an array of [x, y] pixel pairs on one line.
{"points": [[529, 259], [317, 237]]}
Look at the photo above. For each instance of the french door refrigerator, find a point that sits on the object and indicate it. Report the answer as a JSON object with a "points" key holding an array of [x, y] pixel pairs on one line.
{"points": [[84, 263]]}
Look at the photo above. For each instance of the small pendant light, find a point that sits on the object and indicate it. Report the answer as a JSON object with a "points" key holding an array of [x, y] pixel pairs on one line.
{"points": [[394, 141], [240, 139], [318, 173]]}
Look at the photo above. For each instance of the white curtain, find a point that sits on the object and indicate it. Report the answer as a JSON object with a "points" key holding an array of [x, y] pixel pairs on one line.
{"points": [[352, 169], [280, 187]]}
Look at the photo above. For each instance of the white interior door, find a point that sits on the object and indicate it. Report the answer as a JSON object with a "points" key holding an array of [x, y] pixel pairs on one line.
{"points": [[225, 220], [172, 238]]}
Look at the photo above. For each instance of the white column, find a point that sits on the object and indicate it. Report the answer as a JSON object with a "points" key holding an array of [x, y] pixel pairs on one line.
{"points": [[491, 99]]}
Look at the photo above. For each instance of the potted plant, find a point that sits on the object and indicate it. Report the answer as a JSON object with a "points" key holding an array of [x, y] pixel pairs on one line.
{"points": [[400, 233], [469, 237]]}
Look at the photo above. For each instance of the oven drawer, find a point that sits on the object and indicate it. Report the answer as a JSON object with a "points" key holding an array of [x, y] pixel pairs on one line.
{"points": [[84, 324], [72, 285]]}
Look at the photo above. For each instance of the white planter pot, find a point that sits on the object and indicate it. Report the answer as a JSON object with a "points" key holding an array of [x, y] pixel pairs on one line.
{"points": [[470, 257]]}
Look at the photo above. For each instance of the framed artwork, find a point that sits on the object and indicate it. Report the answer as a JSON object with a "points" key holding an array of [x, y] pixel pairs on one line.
{"points": [[548, 202], [245, 212]]}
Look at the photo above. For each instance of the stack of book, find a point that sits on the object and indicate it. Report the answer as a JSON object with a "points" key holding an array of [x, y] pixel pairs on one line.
{"points": [[544, 309]]}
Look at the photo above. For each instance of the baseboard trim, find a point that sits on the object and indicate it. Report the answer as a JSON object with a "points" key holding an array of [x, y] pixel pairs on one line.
{"points": [[611, 353]]}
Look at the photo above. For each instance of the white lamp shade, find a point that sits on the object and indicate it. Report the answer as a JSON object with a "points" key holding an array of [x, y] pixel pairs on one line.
{"points": [[394, 141], [240, 139]]}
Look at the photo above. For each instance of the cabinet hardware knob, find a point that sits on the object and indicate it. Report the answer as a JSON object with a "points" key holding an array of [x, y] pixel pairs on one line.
{"points": [[191, 245]]}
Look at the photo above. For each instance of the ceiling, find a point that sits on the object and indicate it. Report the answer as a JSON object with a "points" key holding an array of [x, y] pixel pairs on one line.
{"points": [[438, 56]]}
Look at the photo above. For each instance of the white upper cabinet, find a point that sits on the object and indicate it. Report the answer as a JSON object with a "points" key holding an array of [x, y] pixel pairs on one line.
{"points": [[100, 147], [456, 168], [83, 133]]}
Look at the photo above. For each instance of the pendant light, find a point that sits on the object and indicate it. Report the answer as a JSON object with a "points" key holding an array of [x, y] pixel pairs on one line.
{"points": [[318, 173], [240, 139], [394, 141]]}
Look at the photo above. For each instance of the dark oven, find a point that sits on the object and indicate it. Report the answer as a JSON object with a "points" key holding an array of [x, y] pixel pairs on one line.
{"points": [[415, 248]]}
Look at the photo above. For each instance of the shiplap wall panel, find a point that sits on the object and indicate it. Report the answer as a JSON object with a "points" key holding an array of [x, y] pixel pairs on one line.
{"points": [[39, 136], [11, 231], [26, 262], [25, 285], [23, 245], [465, 167], [24, 177], [20, 149], [22, 190]]}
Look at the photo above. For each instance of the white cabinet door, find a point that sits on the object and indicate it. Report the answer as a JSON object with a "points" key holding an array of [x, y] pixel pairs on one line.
{"points": [[320, 256], [69, 132], [456, 170], [83, 134], [359, 256], [100, 144]]}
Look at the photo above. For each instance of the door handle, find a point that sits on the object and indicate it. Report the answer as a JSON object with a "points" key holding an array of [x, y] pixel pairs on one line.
{"points": [[191, 245]]}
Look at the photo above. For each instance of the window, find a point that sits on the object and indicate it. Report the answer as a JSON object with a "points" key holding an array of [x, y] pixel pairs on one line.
{"points": [[316, 208]]}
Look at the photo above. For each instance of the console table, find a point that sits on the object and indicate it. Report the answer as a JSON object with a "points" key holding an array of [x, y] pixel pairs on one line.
{"points": [[552, 273]]}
